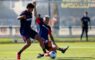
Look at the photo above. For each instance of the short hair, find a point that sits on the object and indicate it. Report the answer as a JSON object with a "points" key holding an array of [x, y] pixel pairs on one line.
{"points": [[39, 15], [86, 12], [30, 5]]}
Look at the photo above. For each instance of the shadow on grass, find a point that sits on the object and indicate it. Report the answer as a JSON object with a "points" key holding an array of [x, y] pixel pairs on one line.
{"points": [[75, 58]]}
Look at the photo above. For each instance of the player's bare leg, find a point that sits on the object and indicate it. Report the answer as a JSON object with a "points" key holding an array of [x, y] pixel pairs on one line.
{"points": [[55, 47], [40, 40], [52, 48], [28, 43], [63, 50]]}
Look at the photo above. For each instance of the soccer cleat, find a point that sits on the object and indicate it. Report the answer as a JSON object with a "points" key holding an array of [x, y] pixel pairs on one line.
{"points": [[18, 56], [40, 55], [64, 50]]}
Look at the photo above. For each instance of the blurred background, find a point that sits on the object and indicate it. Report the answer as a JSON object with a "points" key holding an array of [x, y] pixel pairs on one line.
{"points": [[65, 21], [65, 14]]}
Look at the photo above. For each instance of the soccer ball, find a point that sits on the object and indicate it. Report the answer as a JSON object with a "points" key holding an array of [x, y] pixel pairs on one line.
{"points": [[53, 54]]}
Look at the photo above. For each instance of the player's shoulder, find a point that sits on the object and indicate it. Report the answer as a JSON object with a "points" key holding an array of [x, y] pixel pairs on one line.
{"points": [[23, 12], [41, 18], [88, 17], [84, 17]]}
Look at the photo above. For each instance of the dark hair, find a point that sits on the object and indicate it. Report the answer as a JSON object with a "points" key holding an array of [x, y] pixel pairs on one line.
{"points": [[39, 15], [30, 5], [86, 12]]}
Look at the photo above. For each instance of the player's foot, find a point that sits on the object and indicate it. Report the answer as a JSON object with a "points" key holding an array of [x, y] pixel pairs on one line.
{"points": [[18, 56], [64, 50], [40, 55]]}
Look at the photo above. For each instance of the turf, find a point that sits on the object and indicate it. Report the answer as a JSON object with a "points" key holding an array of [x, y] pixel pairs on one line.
{"points": [[62, 39], [77, 51]]}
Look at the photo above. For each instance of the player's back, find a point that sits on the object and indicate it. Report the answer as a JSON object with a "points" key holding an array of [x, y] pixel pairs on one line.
{"points": [[44, 31]]}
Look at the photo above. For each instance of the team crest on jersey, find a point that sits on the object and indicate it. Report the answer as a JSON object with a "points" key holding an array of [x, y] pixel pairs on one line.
{"points": [[29, 19]]}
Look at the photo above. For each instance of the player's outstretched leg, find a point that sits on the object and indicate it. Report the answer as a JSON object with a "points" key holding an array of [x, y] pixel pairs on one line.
{"points": [[40, 55], [63, 50], [40, 40], [28, 43]]}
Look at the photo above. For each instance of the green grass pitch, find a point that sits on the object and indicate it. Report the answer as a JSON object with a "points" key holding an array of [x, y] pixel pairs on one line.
{"points": [[76, 51]]}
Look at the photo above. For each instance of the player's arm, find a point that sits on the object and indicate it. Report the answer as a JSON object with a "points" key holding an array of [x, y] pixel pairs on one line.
{"points": [[81, 22], [35, 14], [51, 37], [21, 17], [35, 11], [90, 23]]}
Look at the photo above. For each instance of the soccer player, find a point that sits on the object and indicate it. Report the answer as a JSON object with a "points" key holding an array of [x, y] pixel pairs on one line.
{"points": [[38, 20], [85, 21], [26, 31], [46, 33]]}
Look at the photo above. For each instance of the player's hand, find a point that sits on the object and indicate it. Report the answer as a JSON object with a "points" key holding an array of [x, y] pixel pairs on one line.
{"points": [[47, 53], [34, 3], [24, 17], [21, 17], [55, 44]]}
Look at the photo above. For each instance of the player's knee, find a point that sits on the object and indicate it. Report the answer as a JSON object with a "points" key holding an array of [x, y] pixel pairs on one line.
{"points": [[37, 37], [28, 44]]}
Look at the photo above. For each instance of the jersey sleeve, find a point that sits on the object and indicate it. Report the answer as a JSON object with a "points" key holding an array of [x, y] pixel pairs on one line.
{"points": [[23, 13]]}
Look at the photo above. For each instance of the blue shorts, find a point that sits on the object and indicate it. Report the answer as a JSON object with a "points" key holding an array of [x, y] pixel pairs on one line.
{"points": [[27, 34]]}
